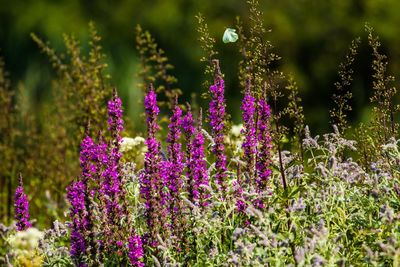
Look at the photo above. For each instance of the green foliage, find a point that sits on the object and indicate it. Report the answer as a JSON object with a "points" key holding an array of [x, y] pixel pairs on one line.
{"points": [[82, 87], [45, 150], [342, 97], [294, 110], [383, 126], [257, 53], [207, 44], [385, 110], [80, 92], [8, 135], [155, 68]]}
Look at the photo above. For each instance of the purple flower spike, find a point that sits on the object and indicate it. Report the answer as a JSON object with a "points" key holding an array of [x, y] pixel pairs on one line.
{"points": [[78, 243], [264, 149], [250, 139], [197, 173], [115, 122], [135, 253], [76, 197], [198, 165], [188, 129], [217, 118], [21, 205], [188, 124], [175, 154], [175, 170], [152, 110], [153, 179], [115, 126], [87, 154], [112, 184]]}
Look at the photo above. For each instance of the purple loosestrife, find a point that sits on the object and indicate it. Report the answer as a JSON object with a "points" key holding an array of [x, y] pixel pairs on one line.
{"points": [[80, 194], [249, 131], [88, 159], [21, 205], [249, 144], [188, 130], [175, 181], [102, 183], [112, 187], [77, 213], [199, 171], [175, 155], [217, 118], [100, 161], [164, 183], [135, 249], [152, 183], [188, 125], [115, 122], [87, 155], [240, 200], [264, 149]]}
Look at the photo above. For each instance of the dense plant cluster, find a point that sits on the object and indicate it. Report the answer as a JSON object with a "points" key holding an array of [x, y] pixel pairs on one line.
{"points": [[45, 151], [209, 193]]}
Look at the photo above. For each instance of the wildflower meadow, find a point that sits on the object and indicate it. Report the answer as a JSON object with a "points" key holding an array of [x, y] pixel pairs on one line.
{"points": [[196, 188]]}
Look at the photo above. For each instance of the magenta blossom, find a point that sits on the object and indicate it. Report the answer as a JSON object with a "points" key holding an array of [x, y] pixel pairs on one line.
{"points": [[21, 205]]}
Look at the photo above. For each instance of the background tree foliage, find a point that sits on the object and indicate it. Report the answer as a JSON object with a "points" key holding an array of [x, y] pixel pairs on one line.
{"points": [[311, 36]]}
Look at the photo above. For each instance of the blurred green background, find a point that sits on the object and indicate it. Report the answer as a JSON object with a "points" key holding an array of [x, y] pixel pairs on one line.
{"points": [[312, 37]]}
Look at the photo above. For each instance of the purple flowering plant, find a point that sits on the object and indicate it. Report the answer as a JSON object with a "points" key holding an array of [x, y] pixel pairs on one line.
{"points": [[21, 206]]}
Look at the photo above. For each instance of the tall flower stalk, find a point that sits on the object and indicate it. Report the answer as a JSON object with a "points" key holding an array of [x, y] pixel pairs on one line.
{"points": [[175, 181], [79, 196], [21, 206], [264, 150], [249, 131], [249, 145], [195, 162], [152, 183], [77, 213], [89, 166], [198, 165], [188, 130], [175, 155], [112, 187], [217, 122]]}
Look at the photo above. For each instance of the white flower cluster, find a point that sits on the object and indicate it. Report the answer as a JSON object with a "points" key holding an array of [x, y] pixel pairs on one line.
{"points": [[236, 138], [27, 240], [236, 130], [128, 143]]}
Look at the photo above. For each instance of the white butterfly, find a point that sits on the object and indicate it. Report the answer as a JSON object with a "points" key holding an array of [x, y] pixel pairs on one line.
{"points": [[230, 36]]}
